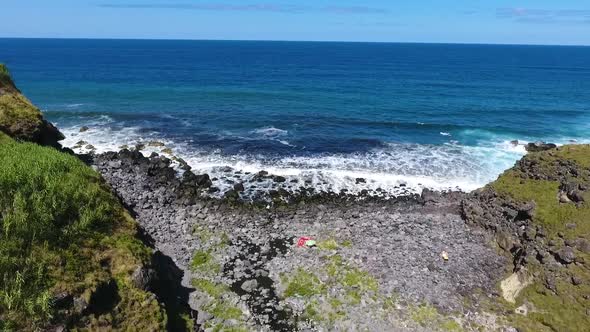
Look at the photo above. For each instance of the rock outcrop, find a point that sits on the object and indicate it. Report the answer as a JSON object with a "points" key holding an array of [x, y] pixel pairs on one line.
{"points": [[20, 119], [539, 216]]}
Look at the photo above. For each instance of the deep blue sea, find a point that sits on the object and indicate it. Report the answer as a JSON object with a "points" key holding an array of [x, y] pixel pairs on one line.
{"points": [[427, 115]]}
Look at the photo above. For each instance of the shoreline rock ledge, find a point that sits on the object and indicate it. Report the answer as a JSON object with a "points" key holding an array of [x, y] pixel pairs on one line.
{"points": [[439, 261], [369, 255]]}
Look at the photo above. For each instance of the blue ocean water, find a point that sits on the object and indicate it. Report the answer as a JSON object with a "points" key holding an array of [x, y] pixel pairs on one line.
{"points": [[431, 115]]}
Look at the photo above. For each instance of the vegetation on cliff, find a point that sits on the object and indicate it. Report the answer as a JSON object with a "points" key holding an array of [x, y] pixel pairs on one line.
{"points": [[545, 200], [67, 248], [20, 119], [70, 255]]}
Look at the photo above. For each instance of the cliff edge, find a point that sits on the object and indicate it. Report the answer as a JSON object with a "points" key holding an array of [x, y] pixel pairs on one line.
{"points": [[20, 119], [539, 213]]}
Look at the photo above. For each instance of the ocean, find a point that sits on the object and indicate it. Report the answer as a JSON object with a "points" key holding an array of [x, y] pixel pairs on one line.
{"points": [[397, 115]]}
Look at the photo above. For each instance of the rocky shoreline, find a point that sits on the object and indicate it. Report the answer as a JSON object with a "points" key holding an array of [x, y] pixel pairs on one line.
{"points": [[237, 255]]}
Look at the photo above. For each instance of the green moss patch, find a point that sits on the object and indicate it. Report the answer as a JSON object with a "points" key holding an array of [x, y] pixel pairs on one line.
{"points": [[304, 284], [428, 316]]}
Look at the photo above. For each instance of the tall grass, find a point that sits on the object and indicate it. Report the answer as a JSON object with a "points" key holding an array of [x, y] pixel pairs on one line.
{"points": [[49, 202]]}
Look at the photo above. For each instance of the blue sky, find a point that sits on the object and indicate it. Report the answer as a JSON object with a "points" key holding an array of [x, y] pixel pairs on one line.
{"points": [[461, 21]]}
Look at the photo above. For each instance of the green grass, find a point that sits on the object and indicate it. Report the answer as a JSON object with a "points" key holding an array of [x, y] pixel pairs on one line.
{"points": [[211, 288], [428, 316], [61, 230], [549, 213], [304, 284], [204, 262], [330, 244]]}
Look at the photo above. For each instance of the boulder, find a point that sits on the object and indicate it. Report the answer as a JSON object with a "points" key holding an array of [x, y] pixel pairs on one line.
{"points": [[279, 179], [540, 146], [566, 255], [143, 278], [514, 284], [249, 286], [527, 211], [239, 187]]}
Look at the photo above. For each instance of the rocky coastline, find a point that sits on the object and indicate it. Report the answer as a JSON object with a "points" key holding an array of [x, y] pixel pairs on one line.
{"points": [[512, 256], [395, 244], [376, 263]]}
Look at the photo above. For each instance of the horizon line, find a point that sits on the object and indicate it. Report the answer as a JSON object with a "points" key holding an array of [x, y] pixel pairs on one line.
{"points": [[298, 41]]}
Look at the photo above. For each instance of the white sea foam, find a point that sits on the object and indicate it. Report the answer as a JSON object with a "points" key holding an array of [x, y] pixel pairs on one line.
{"points": [[395, 168], [270, 132], [445, 133], [74, 105]]}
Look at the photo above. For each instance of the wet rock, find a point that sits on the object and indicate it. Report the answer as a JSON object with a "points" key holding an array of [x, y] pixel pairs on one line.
{"points": [[239, 187], [231, 195], [279, 179], [83, 129], [540, 146], [203, 180], [156, 144], [360, 180]]}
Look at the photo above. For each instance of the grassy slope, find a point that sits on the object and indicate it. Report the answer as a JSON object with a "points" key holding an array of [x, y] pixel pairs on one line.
{"points": [[567, 308], [64, 233]]}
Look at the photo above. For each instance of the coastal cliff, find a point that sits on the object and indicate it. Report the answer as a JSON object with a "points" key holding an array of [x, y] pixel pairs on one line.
{"points": [[20, 119], [71, 257], [135, 244], [539, 213]]}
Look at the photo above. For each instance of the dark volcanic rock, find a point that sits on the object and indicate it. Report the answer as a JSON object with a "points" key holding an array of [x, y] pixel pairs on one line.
{"points": [[239, 187], [398, 241], [144, 278], [540, 146]]}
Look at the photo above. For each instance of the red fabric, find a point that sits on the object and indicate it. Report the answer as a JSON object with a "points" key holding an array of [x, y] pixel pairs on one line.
{"points": [[302, 241]]}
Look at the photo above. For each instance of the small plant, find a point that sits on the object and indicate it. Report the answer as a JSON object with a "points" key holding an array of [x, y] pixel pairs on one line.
{"points": [[304, 283]]}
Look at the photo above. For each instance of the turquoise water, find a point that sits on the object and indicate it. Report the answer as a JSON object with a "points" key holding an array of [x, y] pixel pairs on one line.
{"points": [[430, 115]]}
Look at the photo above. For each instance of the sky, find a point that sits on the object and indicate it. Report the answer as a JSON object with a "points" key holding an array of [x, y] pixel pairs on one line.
{"points": [[564, 22]]}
